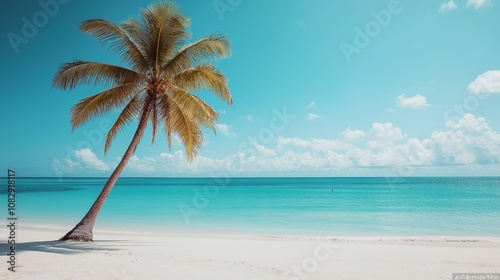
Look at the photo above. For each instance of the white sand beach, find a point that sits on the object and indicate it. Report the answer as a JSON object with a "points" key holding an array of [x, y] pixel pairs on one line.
{"points": [[119, 255]]}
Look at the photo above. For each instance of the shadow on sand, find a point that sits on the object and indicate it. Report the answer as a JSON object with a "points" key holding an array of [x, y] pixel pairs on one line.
{"points": [[65, 247]]}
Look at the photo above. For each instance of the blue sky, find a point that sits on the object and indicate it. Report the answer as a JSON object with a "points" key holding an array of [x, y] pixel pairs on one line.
{"points": [[334, 88]]}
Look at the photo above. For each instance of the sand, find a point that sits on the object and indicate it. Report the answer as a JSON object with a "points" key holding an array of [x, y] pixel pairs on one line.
{"points": [[134, 256]]}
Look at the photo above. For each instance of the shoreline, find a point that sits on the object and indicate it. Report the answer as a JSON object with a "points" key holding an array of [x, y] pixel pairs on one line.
{"points": [[118, 231], [141, 255]]}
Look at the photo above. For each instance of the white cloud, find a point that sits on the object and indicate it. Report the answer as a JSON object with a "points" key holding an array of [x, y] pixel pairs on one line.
{"points": [[448, 6], [385, 131], [144, 165], [222, 112], [72, 164], [313, 144], [383, 136], [249, 118], [353, 135], [465, 143], [468, 141], [488, 82], [326, 145], [87, 157], [292, 141], [312, 117], [263, 150], [415, 102], [310, 105], [477, 4], [224, 128], [469, 122]]}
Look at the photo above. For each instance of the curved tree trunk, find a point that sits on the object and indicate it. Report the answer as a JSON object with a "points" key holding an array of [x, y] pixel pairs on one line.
{"points": [[83, 231]]}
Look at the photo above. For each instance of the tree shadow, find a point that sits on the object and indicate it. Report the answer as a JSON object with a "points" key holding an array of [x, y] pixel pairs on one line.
{"points": [[65, 247]]}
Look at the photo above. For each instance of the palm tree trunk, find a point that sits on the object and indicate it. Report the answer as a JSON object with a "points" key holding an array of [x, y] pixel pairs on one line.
{"points": [[83, 231]]}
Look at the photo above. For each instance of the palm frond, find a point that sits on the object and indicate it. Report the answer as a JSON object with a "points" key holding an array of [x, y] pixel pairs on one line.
{"points": [[135, 30], [101, 103], [204, 77], [212, 47], [119, 41], [129, 112], [195, 108], [83, 72], [188, 130], [162, 28]]}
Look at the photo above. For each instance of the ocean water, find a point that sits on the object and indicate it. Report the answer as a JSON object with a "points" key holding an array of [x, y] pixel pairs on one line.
{"points": [[275, 206]]}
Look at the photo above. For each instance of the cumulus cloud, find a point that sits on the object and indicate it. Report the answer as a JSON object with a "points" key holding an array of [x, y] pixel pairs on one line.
{"points": [[488, 82], [90, 160], [71, 164], [249, 118], [144, 165], [448, 6], [176, 163], [312, 144], [263, 150], [465, 142], [415, 102], [353, 135], [477, 4], [281, 141], [385, 131], [312, 117]]}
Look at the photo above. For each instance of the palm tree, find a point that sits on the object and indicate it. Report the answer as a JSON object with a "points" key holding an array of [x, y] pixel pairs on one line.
{"points": [[155, 87]]}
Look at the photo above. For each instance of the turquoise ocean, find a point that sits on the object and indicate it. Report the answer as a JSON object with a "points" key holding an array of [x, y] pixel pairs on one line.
{"points": [[342, 207]]}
